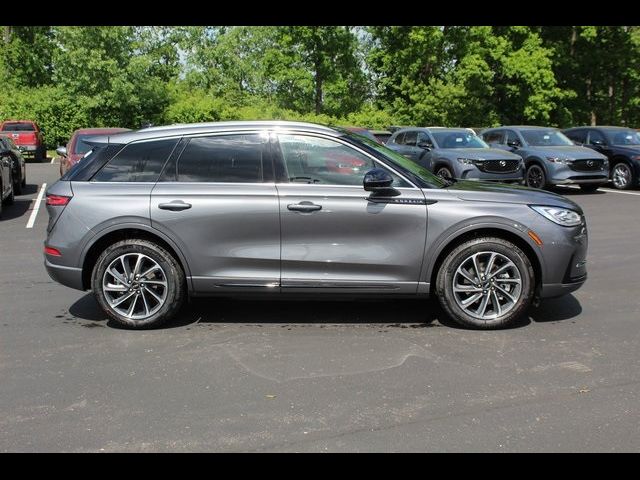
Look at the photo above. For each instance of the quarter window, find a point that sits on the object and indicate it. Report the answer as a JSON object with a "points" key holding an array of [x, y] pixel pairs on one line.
{"points": [[137, 162], [223, 158], [322, 161]]}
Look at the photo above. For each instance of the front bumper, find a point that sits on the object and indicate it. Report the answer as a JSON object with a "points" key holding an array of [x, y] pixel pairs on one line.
{"points": [[475, 174], [552, 290], [67, 276]]}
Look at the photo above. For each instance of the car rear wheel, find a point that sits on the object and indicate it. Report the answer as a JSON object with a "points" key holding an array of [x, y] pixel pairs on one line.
{"points": [[622, 176], [535, 177], [485, 283], [138, 283]]}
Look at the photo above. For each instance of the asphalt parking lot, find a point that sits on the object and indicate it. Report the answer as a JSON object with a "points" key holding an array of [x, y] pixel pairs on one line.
{"points": [[234, 375]]}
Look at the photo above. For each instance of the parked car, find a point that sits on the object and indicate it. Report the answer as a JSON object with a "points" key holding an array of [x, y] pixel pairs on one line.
{"points": [[380, 136], [456, 153], [18, 165], [76, 147], [27, 135], [550, 157], [621, 146], [152, 216], [6, 179]]}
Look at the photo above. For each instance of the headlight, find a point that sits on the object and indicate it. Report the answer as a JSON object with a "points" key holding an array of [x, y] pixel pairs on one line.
{"points": [[563, 161], [466, 161], [561, 216]]}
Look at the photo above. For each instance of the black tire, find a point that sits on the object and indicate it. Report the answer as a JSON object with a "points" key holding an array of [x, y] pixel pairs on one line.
{"points": [[622, 176], [589, 187], [17, 185], [460, 254], [535, 177], [40, 155], [444, 172], [176, 284]]}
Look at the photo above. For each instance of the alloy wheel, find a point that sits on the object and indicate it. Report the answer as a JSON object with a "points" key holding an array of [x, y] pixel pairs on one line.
{"points": [[621, 176], [135, 286], [487, 285], [535, 177]]}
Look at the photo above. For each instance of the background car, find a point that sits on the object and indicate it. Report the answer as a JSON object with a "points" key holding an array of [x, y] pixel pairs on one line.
{"points": [[6, 179], [621, 145], [27, 135], [76, 148], [18, 165], [380, 136], [550, 157], [456, 153]]}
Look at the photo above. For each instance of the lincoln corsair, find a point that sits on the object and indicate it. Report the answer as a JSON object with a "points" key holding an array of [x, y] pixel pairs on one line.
{"points": [[150, 217]]}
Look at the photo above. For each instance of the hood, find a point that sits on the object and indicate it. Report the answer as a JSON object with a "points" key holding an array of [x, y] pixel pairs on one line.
{"points": [[627, 149], [479, 153], [572, 151], [498, 192]]}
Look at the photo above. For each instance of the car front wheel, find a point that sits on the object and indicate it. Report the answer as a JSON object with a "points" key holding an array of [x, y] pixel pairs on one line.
{"points": [[622, 176], [485, 283], [138, 283], [535, 177]]}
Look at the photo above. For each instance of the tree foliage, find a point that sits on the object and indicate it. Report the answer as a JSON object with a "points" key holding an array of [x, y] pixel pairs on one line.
{"points": [[71, 77]]}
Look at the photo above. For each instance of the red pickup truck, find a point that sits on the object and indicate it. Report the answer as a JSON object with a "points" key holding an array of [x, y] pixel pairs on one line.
{"points": [[27, 136]]}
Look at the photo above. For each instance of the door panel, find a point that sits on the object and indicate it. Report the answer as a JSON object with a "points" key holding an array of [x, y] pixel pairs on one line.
{"points": [[351, 244], [230, 234]]}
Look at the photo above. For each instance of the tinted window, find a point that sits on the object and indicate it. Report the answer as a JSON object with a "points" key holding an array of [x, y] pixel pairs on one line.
{"points": [[411, 138], [579, 136], [137, 162], [424, 138], [493, 137], [326, 162], [80, 146], [512, 138], [225, 158], [18, 127], [457, 139], [623, 137], [399, 139], [596, 138]]}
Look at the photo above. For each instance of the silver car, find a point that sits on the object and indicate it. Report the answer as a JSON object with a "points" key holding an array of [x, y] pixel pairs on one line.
{"points": [[550, 157], [150, 217], [456, 153]]}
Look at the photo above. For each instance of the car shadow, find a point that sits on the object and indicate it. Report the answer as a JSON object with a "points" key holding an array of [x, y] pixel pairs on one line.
{"points": [[19, 207], [398, 313]]}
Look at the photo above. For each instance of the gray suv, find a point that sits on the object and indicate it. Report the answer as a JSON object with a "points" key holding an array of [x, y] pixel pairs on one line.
{"points": [[150, 217], [456, 153], [550, 157]]}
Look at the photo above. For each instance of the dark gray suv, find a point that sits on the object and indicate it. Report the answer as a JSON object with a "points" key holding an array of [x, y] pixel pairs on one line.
{"points": [[149, 217]]}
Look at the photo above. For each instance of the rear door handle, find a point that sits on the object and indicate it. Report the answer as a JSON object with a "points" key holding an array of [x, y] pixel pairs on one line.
{"points": [[175, 206], [304, 207]]}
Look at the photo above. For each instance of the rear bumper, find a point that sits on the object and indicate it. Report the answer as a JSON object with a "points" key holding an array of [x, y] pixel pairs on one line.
{"points": [[67, 276], [27, 148]]}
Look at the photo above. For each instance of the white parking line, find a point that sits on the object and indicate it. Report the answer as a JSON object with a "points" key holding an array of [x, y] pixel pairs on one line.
{"points": [[36, 206], [619, 191], [53, 159]]}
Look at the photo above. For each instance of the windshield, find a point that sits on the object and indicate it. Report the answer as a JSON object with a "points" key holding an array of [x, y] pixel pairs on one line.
{"points": [[623, 137], [545, 138], [18, 127], [398, 160], [457, 139], [80, 146]]}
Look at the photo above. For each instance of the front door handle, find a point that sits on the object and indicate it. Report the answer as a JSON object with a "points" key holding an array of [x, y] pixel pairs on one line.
{"points": [[175, 206], [304, 207]]}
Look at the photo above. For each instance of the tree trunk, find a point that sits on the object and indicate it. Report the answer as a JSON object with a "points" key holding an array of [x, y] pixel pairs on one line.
{"points": [[7, 34], [318, 82]]}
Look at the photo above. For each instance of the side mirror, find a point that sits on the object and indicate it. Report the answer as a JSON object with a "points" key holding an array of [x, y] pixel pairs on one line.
{"points": [[513, 144], [379, 181], [425, 145], [597, 143], [62, 151]]}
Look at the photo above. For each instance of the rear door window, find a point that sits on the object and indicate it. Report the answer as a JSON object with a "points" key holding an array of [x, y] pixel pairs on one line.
{"points": [[579, 136], [137, 162], [240, 158], [493, 137]]}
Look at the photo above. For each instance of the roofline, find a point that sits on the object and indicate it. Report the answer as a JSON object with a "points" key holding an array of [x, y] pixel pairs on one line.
{"points": [[177, 130]]}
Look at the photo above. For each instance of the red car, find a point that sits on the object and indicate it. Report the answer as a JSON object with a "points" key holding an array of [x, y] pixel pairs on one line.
{"points": [[27, 136], [76, 148]]}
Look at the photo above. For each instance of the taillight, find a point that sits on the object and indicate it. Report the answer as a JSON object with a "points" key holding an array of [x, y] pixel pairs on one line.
{"points": [[57, 200], [52, 251]]}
